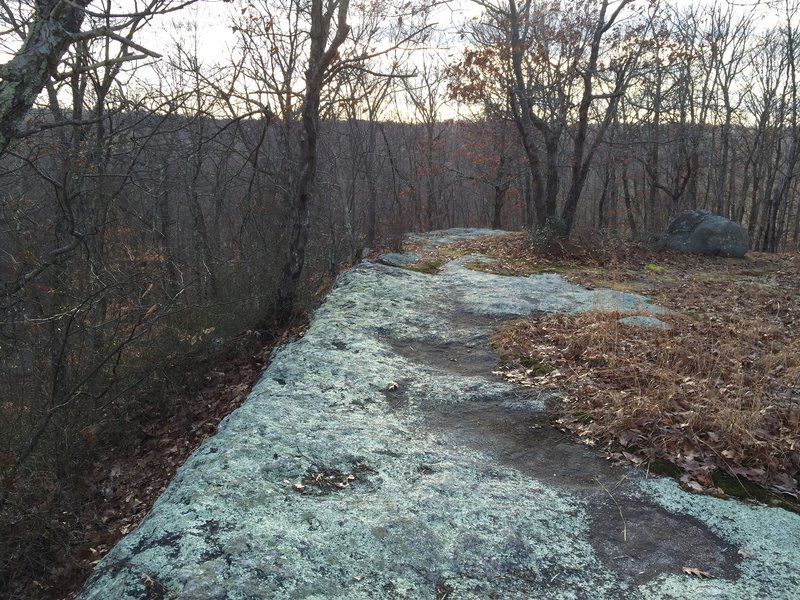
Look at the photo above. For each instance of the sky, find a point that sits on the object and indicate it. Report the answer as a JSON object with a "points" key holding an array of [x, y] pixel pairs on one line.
{"points": [[214, 19], [215, 37]]}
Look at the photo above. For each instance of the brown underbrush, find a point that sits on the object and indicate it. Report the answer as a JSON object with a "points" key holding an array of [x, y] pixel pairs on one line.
{"points": [[717, 395], [50, 546]]}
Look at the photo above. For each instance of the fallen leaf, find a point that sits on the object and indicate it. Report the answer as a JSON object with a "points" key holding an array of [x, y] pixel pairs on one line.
{"points": [[688, 481], [392, 386], [695, 572], [632, 458]]}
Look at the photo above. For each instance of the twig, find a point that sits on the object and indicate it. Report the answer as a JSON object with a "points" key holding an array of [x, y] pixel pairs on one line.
{"points": [[619, 508]]}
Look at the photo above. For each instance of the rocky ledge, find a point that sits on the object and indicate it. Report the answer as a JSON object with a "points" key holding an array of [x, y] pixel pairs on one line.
{"points": [[378, 457]]}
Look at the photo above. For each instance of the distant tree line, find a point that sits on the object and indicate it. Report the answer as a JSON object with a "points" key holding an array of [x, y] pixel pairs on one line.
{"points": [[630, 112]]}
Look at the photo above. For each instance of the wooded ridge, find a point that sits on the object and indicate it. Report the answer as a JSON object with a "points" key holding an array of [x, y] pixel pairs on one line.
{"points": [[158, 207]]}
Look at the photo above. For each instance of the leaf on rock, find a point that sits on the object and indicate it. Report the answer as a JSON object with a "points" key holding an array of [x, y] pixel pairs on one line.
{"points": [[691, 484], [695, 572]]}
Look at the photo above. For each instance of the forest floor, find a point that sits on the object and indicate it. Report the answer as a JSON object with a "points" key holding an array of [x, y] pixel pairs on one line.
{"points": [[130, 473], [385, 454]]}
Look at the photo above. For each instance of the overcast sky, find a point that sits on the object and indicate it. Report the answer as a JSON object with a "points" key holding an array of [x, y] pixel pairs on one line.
{"points": [[214, 18]]}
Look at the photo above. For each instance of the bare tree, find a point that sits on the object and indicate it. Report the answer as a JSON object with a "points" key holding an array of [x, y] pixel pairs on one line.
{"points": [[787, 164], [49, 29], [548, 56]]}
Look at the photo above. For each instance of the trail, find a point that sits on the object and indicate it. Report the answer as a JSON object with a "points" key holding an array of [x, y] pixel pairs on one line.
{"points": [[378, 457]]}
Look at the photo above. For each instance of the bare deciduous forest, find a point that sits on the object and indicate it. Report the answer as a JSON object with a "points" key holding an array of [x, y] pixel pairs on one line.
{"points": [[159, 210]]}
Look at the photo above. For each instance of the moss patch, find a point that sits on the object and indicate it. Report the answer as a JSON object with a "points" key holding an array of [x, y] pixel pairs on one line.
{"points": [[744, 489], [535, 367], [452, 252], [658, 466], [694, 314], [635, 287], [728, 485]]}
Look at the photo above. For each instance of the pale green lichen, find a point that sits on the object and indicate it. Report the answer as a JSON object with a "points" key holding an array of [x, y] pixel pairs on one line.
{"points": [[768, 540]]}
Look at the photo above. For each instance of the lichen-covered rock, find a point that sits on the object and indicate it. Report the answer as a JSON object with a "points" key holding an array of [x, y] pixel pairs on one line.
{"points": [[398, 259], [378, 457], [700, 232], [444, 237]]}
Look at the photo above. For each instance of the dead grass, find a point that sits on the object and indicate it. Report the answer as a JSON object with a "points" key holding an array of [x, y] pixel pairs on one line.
{"points": [[429, 266], [514, 267], [718, 392], [432, 260]]}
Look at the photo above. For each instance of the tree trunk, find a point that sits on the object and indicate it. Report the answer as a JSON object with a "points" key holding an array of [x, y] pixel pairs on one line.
{"points": [[499, 199], [626, 192], [26, 74], [530, 208], [582, 155], [320, 59], [299, 218], [552, 181], [372, 191], [524, 119], [604, 195]]}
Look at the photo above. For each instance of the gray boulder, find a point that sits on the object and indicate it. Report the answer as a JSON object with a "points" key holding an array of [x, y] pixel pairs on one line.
{"points": [[701, 232], [397, 259]]}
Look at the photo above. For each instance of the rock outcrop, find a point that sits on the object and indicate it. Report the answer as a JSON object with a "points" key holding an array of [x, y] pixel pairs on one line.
{"points": [[379, 457], [700, 232]]}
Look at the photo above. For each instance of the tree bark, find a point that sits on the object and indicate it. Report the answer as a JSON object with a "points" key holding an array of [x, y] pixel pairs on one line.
{"points": [[320, 59], [499, 200], [24, 77], [524, 118], [583, 155], [629, 204]]}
